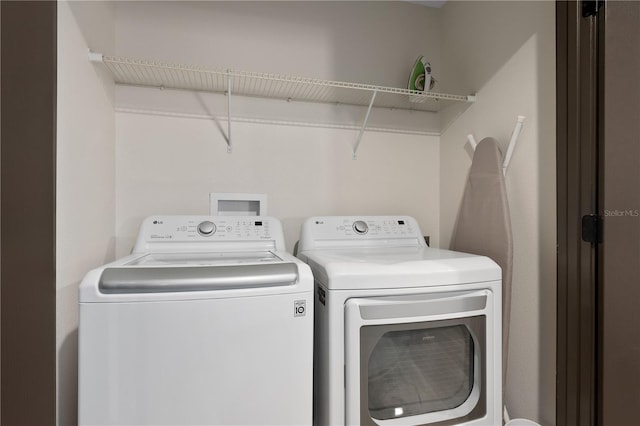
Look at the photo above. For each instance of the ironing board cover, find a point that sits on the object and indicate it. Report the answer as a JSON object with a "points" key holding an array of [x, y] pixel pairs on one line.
{"points": [[484, 224]]}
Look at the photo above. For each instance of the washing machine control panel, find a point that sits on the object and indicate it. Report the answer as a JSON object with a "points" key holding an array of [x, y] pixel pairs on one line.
{"points": [[245, 232], [219, 228]]}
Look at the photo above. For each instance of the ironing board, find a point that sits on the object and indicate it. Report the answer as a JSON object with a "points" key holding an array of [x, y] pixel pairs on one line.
{"points": [[484, 224]]}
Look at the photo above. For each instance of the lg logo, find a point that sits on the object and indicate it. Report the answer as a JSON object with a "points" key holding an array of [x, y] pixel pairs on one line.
{"points": [[299, 308]]}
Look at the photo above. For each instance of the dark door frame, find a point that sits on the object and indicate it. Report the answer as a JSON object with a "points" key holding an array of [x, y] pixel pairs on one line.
{"points": [[578, 70], [27, 213]]}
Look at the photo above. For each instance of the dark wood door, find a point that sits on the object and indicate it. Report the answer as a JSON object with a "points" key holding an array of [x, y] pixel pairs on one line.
{"points": [[598, 157], [619, 201], [577, 183]]}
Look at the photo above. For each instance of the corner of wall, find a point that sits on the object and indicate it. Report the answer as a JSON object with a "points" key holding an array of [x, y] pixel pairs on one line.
{"points": [[505, 51], [85, 183]]}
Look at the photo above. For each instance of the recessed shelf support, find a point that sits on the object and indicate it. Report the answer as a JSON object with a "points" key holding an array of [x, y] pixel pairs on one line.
{"points": [[364, 125]]}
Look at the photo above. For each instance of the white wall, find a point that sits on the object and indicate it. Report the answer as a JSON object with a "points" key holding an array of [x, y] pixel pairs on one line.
{"points": [[85, 185], [367, 42], [170, 164], [505, 51]]}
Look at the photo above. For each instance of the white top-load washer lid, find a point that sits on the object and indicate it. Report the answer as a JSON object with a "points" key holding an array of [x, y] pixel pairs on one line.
{"points": [[384, 252], [194, 257]]}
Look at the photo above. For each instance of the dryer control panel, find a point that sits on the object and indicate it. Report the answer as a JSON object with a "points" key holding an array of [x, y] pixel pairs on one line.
{"points": [[360, 231], [209, 232]]}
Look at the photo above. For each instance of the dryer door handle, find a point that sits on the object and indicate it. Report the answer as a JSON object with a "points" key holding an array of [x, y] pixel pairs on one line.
{"points": [[426, 305]]}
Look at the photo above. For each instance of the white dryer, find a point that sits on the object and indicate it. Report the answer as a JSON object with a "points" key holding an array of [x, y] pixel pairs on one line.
{"points": [[208, 322], [404, 334]]}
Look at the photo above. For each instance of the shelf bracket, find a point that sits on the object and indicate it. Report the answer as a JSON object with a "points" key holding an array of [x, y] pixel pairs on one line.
{"points": [[228, 112], [364, 125]]}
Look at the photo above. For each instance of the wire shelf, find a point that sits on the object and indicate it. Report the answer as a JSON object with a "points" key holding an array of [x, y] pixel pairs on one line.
{"points": [[264, 85]]}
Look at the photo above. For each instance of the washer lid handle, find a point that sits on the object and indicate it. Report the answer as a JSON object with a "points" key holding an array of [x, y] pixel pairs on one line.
{"points": [[196, 278]]}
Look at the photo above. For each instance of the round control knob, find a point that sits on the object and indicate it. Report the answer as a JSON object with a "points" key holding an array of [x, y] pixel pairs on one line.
{"points": [[206, 228], [360, 227]]}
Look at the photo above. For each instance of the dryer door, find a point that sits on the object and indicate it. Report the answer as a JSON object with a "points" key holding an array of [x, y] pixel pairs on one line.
{"points": [[418, 359]]}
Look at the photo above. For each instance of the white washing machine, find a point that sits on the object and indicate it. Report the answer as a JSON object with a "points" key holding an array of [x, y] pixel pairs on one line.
{"points": [[208, 322], [404, 334]]}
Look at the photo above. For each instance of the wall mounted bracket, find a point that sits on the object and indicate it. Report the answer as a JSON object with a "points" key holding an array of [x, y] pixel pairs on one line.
{"points": [[512, 143], [364, 125], [228, 111]]}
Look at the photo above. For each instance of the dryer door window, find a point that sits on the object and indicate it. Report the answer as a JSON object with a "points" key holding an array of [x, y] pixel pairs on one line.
{"points": [[422, 369], [412, 372]]}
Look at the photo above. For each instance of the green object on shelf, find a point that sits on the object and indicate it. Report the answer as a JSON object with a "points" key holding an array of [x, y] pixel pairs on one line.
{"points": [[420, 74]]}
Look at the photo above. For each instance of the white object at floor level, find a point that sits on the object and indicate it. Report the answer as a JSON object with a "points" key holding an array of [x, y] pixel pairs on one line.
{"points": [[521, 422], [209, 321], [517, 422]]}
